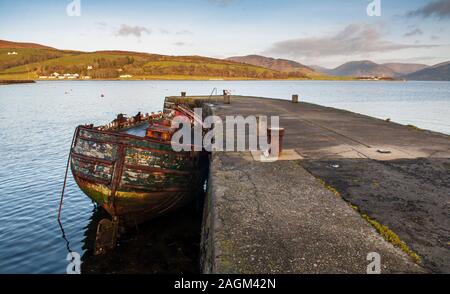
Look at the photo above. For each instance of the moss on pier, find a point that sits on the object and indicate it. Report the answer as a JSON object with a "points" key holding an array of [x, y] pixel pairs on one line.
{"points": [[388, 234], [226, 249], [384, 231], [330, 188], [392, 237]]}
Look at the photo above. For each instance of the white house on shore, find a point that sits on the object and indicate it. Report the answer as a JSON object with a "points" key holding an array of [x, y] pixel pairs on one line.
{"points": [[68, 76], [125, 76]]}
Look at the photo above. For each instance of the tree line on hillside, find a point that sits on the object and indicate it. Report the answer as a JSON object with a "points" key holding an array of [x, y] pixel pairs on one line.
{"points": [[27, 59], [226, 71], [114, 66], [102, 68]]}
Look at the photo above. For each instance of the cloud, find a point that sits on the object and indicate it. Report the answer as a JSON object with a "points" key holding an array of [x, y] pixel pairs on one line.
{"points": [[353, 39], [221, 2], [415, 32], [179, 44], [164, 31], [184, 32], [439, 9], [126, 30], [179, 33], [435, 38]]}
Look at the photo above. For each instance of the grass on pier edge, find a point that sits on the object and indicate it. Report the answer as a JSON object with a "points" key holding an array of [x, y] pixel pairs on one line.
{"points": [[389, 235]]}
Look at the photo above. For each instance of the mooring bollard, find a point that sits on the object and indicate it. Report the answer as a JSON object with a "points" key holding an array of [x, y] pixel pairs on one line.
{"points": [[183, 94], [294, 98], [273, 133], [226, 97]]}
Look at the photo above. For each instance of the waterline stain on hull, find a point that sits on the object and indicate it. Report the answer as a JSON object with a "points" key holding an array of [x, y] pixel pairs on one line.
{"points": [[131, 177]]}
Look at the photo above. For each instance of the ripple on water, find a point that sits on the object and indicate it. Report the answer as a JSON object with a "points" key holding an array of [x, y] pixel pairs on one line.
{"points": [[38, 121]]}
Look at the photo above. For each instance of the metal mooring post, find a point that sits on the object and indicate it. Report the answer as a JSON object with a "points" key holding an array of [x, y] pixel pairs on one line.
{"points": [[294, 98], [272, 134], [226, 97]]}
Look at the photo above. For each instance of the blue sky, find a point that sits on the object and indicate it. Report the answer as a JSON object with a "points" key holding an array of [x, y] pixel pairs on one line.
{"points": [[322, 32]]}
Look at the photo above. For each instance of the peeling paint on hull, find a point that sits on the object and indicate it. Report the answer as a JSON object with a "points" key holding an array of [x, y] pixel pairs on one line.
{"points": [[133, 177]]}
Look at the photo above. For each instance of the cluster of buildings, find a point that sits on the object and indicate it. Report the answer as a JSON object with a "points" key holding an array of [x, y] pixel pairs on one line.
{"points": [[67, 76], [374, 78], [13, 53], [75, 76]]}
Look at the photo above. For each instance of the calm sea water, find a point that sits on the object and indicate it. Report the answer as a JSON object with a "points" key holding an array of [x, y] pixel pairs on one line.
{"points": [[37, 123]]}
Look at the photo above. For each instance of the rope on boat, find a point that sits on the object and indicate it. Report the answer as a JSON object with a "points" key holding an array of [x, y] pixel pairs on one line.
{"points": [[65, 177], [190, 114]]}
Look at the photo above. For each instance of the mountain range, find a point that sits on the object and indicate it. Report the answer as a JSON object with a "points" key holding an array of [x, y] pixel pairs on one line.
{"points": [[366, 68], [21, 61], [354, 69], [438, 72]]}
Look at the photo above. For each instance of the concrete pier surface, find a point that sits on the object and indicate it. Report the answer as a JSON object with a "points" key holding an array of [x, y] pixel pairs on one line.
{"points": [[350, 185]]}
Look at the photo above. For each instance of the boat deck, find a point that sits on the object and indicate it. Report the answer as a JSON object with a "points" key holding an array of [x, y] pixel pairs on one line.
{"points": [[139, 130]]}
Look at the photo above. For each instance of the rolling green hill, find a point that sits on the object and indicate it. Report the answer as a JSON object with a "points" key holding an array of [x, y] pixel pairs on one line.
{"points": [[292, 68], [16, 45], [20, 61]]}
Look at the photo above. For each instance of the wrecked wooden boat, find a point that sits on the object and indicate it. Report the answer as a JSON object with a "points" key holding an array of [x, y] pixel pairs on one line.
{"points": [[130, 169]]}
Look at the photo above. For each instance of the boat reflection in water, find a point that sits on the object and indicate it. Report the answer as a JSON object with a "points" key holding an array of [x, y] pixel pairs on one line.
{"points": [[169, 244]]}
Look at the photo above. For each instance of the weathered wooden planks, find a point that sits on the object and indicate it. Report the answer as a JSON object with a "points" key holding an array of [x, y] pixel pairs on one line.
{"points": [[133, 177]]}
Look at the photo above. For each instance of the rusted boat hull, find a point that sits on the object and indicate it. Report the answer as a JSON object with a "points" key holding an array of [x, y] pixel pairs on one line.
{"points": [[133, 178]]}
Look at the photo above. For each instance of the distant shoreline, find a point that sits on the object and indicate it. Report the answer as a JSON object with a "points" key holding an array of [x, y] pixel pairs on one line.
{"points": [[193, 78], [10, 82]]}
